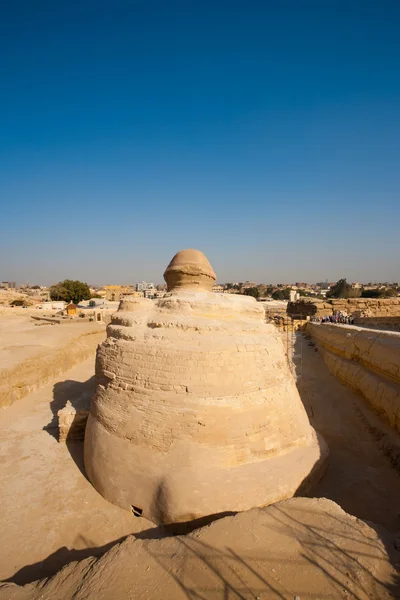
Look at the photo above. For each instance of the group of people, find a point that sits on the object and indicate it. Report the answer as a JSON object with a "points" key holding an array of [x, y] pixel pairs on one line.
{"points": [[338, 317]]}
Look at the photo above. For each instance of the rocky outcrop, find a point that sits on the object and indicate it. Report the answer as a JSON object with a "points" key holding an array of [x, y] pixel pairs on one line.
{"points": [[36, 371], [385, 323], [358, 307], [72, 422], [301, 548], [371, 307], [196, 411], [307, 307], [368, 361]]}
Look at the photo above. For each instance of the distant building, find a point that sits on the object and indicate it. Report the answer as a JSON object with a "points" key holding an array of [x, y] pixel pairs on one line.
{"points": [[219, 289], [115, 293], [142, 286], [248, 284], [71, 309], [56, 305], [8, 285], [101, 292]]}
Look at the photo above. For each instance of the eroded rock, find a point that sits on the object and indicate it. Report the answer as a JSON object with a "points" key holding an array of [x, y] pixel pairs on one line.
{"points": [[196, 412], [302, 547]]}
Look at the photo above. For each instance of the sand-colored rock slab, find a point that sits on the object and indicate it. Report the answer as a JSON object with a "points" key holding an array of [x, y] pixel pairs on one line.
{"points": [[196, 411], [368, 361], [380, 309], [304, 548], [189, 269], [72, 422], [31, 356]]}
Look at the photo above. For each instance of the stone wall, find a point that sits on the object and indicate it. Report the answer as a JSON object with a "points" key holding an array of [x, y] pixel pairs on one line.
{"points": [[35, 372], [368, 307], [308, 307], [387, 323], [368, 361], [361, 308]]}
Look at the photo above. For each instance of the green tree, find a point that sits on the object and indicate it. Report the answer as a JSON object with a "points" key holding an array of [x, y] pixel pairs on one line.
{"points": [[342, 289], [304, 293], [389, 292], [252, 291], [376, 293], [282, 294], [70, 291], [269, 290]]}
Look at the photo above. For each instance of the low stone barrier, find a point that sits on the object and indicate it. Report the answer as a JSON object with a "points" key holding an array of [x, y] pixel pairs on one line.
{"points": [[389, 323], [367, 360], [35, 372], [369, 307], [383, 309]]}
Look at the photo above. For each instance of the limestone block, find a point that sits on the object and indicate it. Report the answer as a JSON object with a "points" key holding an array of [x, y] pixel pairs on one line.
{"points": [[371, 307], [368, 361], [35, 372], [72, 423], [196, 411]]}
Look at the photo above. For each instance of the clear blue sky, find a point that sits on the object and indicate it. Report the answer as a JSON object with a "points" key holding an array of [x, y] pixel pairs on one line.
{"points": [[265, 133]]}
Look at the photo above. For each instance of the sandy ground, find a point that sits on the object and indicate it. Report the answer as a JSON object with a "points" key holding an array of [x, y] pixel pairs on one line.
{"points": [[49, 511], [21, 337], [51, 515], [304, 549]]}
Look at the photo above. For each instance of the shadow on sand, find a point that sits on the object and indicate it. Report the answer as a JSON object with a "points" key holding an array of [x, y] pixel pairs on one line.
{"points": [[79, 394], [58, 559], [330, 553]]}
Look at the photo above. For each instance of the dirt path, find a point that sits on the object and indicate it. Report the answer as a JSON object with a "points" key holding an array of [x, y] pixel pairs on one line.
{"points": [[360, 477], [50, 514]]}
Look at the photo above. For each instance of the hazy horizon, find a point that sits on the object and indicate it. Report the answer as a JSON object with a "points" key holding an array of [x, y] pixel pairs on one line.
{"points": [[264, 134], [219, 281]]}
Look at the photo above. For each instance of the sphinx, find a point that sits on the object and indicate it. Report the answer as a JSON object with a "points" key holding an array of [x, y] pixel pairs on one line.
{"points": [[196, 412]]}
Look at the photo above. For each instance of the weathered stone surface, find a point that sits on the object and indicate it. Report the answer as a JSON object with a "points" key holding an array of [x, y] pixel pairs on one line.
{"points": [[302, 547], [389, 323], [72, 422], [36, 371], [189, 269], [308, 307], [372, 307], [360, 308], [196, 411], [368, 361]]}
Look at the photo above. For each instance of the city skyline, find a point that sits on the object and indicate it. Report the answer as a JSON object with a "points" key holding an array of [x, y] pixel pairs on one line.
{"points": [[134, 283], [265, 135]]}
